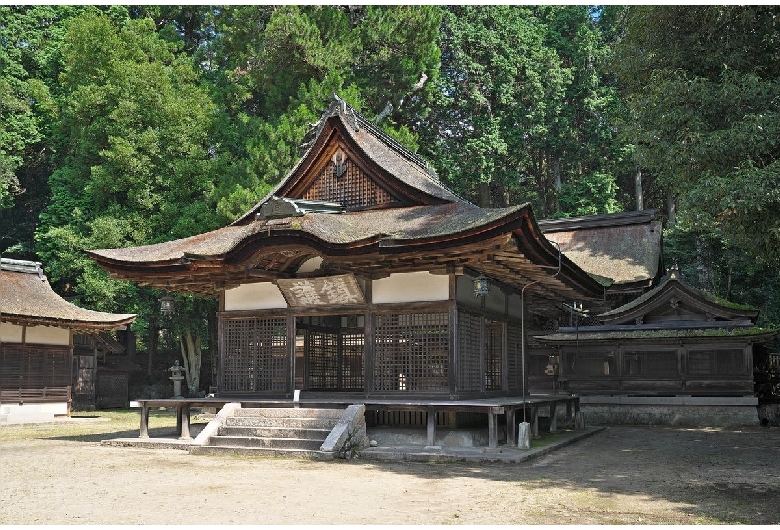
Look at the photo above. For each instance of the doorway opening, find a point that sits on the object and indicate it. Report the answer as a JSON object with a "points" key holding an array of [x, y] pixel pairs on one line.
{"points": [[330, 353]]}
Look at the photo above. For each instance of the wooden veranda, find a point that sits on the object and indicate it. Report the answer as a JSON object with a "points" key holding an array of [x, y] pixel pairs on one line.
{"points": [[510, 407]]}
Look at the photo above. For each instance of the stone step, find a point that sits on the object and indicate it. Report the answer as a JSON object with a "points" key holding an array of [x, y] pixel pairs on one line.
{"points": [[259, 452], [288, 412], [285, 431], [259, 421], [271, 443]]}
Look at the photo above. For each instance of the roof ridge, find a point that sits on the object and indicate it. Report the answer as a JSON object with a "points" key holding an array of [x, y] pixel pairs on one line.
{"points": [[565, 224], [25, 266]]}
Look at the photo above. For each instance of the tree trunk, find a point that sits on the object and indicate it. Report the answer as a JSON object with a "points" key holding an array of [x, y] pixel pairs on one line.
{"points": [[192, 355], [638, 190], [484, 194], [671, 210], [501, 193]]}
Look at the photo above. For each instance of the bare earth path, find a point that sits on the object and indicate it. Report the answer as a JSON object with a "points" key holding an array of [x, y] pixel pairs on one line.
{"points": [[624, 475]]}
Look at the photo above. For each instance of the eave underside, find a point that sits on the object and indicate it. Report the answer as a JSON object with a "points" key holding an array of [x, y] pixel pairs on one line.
{"points": [[497, 257]]}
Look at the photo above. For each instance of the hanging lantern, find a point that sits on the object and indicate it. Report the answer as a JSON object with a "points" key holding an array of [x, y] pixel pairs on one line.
{"points": [[481, 285], [166, 305]]}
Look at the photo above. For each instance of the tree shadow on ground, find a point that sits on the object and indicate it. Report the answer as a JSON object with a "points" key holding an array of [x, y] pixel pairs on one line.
{"points": [[731, 476]]}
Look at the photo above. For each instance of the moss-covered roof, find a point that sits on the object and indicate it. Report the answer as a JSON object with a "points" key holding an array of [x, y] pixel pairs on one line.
{"points": [[412, 223], [587, 336], [673, 280], [27, 298], [625, 247]]}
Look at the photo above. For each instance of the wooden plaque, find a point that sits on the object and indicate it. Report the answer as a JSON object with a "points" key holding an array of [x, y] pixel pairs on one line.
{"points": [[328, 290]]}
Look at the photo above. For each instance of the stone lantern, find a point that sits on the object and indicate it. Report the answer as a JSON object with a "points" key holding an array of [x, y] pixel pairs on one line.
{"points": [[176, 377]]}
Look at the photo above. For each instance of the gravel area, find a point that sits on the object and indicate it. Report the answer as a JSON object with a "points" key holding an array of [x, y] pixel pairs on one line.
{"points": [[622, 475]]}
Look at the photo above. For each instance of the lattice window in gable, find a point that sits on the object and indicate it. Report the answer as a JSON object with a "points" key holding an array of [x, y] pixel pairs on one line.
{"points": [[354, 189]]}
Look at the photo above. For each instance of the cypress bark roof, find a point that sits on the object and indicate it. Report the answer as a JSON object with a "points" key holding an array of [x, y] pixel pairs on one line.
{"points": [[625, 246], [399, 217], [377, 146], [27, 298], [671, 310]]}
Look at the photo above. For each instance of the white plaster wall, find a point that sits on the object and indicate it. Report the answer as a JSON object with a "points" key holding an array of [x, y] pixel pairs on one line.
{"points": [[47, 335], [10, 332], [411, 287], [11, 413], [311, 264], [264, 295]]}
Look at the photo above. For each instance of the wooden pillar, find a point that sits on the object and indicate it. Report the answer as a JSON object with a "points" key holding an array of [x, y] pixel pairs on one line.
{"points": [[431, 426], [553, 417], [144, 430], [184, 412], [454, 353], [369, 345], [511, 426], [291, 353], [492, 429]]}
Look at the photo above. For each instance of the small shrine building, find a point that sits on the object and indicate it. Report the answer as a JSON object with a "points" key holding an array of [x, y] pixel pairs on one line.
{"points": [[667, 356], [37, 330]]}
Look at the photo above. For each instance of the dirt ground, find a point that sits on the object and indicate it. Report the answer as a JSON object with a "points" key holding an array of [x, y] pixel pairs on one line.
{"points": [[623, 475]]}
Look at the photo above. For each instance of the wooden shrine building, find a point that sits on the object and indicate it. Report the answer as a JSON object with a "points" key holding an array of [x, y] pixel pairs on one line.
{"points": [[357, 276], [37, 330], [362, 276], [661, 355]]}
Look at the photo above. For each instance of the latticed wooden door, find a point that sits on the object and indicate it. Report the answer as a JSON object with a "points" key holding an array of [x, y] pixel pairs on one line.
{"points": [[334, 360], [412, 352]]}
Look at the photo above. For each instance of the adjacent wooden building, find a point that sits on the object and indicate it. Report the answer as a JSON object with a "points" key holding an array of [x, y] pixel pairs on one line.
{"points": [[37, 330], [670, 349]]}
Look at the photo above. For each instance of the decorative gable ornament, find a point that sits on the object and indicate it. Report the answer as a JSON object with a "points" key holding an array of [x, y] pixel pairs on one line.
{"points": [[339, 163], [281, 207]]}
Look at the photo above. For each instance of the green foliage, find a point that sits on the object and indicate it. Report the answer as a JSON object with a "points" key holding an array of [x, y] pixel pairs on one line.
{"points": [[278, 68], [30, 61], [709, 261], [133, 142], [128, 125], [589, 195], [522, 107], [703, 91]]}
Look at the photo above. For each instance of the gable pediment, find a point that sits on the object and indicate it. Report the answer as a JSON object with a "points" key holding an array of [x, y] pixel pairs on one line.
{"points": [[352, 162], [339, 172], [675, 303]]}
